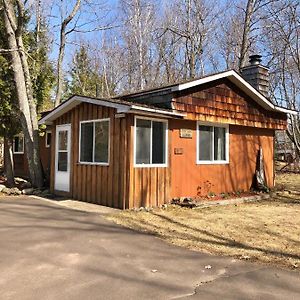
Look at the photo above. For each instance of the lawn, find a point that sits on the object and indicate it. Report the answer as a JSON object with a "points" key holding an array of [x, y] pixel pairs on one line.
{"points": [[266, 231]]}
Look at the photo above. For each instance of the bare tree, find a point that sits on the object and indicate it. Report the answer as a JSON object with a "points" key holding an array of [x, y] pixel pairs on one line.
{"points": [[61, 53], [138, 18], [14, 26], [282, 32], [194, 22]]}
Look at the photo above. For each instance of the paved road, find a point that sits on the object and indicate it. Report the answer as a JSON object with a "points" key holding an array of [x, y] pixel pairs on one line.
{"points": [[51, 252]]}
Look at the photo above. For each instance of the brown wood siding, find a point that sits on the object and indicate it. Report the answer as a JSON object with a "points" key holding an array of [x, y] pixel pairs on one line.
{"points": [[147, 186], [223, 102], [120, 184], [98, 184], [21, 164]]}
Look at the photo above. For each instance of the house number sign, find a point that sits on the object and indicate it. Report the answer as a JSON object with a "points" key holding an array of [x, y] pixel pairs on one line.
{"points": [[186, 133]]}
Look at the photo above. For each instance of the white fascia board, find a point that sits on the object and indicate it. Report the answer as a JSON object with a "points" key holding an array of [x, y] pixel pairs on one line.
{"points": [[76, 100], [236, 79], [184, 86], [286, 110], [157, 111], [239, 81]]}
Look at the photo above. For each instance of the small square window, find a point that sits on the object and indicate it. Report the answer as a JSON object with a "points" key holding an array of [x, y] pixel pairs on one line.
{"points": [[48, 139], [150, 142], [94, 142], [18, 144], [212, 144]]}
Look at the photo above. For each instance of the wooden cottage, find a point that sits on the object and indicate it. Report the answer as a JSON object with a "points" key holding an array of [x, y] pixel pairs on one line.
{"points": [[19, 154], [181, 140]]}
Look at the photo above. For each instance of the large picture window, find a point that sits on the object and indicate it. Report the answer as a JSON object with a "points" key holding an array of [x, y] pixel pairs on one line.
{"points": [[18, 144], [150, 142], [212, 143], [94, 142]]}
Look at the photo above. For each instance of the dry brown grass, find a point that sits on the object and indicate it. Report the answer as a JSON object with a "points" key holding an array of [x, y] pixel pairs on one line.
{"points": [[267, 231]]}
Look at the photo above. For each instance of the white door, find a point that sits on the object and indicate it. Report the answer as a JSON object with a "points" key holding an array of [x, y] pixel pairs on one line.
{"points": [[62, 158]]}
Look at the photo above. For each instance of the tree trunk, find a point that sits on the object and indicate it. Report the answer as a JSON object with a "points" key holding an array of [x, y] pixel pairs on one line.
{"points": [[61, 53], [28, 116], [246, 31], [8, 162], [59, 88]]}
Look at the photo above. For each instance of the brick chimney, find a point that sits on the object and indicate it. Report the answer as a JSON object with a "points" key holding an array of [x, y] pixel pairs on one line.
{"points": [[256, 74]]}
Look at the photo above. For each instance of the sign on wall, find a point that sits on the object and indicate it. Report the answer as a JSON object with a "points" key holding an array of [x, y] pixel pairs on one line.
{"points": [[186, 133]]}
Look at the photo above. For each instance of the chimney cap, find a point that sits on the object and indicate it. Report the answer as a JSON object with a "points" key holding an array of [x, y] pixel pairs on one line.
{"points": [[255, 59]]}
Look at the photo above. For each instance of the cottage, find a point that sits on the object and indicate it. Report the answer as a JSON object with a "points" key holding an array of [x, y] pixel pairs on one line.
{"points": [[181, 140], [19, 154]]}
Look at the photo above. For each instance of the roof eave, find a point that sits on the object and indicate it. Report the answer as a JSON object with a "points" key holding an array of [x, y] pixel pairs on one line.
{"points": [[121, 108]]}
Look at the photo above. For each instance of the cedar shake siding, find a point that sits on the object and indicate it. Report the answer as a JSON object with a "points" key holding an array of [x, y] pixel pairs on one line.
{"points": [[221, 101]]}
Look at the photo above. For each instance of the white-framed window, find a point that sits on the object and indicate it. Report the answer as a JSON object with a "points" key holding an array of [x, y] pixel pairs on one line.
{"points": [[18, 144], [212, 143], [94, 141], [150, 142], [48, 139]]}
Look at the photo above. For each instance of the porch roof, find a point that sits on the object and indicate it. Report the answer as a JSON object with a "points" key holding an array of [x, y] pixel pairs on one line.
{"points": [[121, 106]]}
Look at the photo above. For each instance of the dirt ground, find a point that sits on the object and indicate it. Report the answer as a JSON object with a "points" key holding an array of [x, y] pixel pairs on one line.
{"points": [[266, 231]]}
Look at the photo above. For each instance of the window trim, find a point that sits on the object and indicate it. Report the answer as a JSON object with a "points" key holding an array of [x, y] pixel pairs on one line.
{"points": [[18, 152], [79, 151], [47, 132], [213, 162], [164, 165]]}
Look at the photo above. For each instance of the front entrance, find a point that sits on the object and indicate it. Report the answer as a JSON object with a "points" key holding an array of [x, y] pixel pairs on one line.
{"points": [[62, 158]]}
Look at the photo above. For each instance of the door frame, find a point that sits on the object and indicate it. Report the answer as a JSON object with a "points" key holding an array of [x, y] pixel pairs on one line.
{"points": [[59, 128]]}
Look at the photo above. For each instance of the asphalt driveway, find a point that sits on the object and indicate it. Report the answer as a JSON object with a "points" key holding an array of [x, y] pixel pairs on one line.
{"points": [[51, 252]]}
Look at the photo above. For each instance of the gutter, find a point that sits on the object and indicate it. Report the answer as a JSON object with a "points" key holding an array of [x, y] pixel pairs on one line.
{"points": [[157, 111]]}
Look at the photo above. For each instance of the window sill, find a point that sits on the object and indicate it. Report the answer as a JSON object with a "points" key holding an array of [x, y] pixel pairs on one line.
{"points": [[209, 162], [18, 152], [92, 164], [150, 165]]}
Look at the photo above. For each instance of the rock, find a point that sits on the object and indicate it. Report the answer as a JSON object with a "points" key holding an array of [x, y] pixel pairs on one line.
{"points": [[15, 191], [25, 185], [11, 191], [175, 201], [141, 208], [19, 179], [208, 267], [6, 191], [187, 200], [2, 187], [45, 192], [245, 257], [164, 206], [27, 191], [153, 271], [148, 209], [37, 192]]}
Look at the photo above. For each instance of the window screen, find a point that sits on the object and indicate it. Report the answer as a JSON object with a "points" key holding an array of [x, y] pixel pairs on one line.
{"points": [[94, 142], [150, 142], [158, 142], [211, 143], [101, 141], [19, 144], [48, 139], [219, 143], [205, 142], [143, 140]]}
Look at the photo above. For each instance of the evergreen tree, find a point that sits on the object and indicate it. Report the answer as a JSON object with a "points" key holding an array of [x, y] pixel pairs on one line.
{"points": [[86, 76]]}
